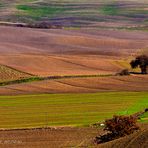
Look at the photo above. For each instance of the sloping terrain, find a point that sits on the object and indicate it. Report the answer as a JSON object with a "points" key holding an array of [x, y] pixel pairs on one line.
{"points": [[51, 138], [110, 14], [75, 109], [98, 37], [9, 74], [69, 137], [68, 52], [136, 140], [79, 85]]}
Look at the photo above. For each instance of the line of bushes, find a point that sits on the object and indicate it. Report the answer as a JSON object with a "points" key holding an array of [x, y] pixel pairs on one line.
{"points": [[31, 79], [24, 80]]}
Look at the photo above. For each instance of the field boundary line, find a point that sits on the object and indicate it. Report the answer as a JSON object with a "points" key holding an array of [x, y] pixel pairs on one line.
{"points": [[36, 78]]}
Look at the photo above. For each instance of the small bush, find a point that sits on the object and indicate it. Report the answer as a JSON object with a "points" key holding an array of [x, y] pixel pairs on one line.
{"points": [[117, 127], [124, 72], [44, 25]]}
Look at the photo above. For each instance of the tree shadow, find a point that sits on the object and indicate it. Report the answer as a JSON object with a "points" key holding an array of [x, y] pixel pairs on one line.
{"points": [[137, 73]]}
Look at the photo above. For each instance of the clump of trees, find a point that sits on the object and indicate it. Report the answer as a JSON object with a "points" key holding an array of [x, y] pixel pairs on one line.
{"points": [[117, 127], [141, 62]]}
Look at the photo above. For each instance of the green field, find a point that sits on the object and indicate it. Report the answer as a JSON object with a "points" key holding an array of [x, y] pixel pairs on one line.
{"points": [[67, 109]]}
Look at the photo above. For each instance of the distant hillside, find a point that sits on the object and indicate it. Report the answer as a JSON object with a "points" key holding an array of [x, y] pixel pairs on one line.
{"points": [[110, 14]]}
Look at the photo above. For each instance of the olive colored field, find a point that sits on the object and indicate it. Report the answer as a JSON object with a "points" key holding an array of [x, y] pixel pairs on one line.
{"points": [[67, 109]]}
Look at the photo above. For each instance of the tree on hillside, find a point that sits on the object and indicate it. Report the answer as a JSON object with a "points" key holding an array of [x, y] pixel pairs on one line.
{"points": [[141, 62], [118, 126]]}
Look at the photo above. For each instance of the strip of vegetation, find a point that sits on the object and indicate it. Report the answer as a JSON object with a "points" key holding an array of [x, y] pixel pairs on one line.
{"points": [[144, 117], [21, 81], [41, 11], [32, 79]]}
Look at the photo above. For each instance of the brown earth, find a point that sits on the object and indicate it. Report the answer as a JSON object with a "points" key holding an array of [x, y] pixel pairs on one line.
{"points": [[79, 85], [68, 52], [46, 138], [69, 137]]}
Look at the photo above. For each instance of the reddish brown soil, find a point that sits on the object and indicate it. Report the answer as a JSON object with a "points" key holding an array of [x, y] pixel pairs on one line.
{"points": [[67, 52], [80, 85], [69, 137], [47, 138]]}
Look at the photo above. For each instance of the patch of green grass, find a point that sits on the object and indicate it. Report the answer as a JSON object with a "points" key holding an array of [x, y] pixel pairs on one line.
{"points": [[109, 9], [139, 105], [66, 109], [39, 11], [144, 117]]}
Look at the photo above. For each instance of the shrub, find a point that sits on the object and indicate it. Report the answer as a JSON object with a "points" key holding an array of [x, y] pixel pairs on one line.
{"points": [[124, 72], [117, 127], [44, 25]]}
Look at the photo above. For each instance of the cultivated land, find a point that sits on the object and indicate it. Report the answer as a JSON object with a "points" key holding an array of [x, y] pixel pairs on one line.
{"points": [[83, 84], [67, 109], [68, 137], [66, 78], [119, 14]]}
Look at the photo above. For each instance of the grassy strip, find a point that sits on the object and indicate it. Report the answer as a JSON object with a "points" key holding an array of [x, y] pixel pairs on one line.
{"points": [[32, 79], [64, 109], [139, 105], [144, 117]]}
